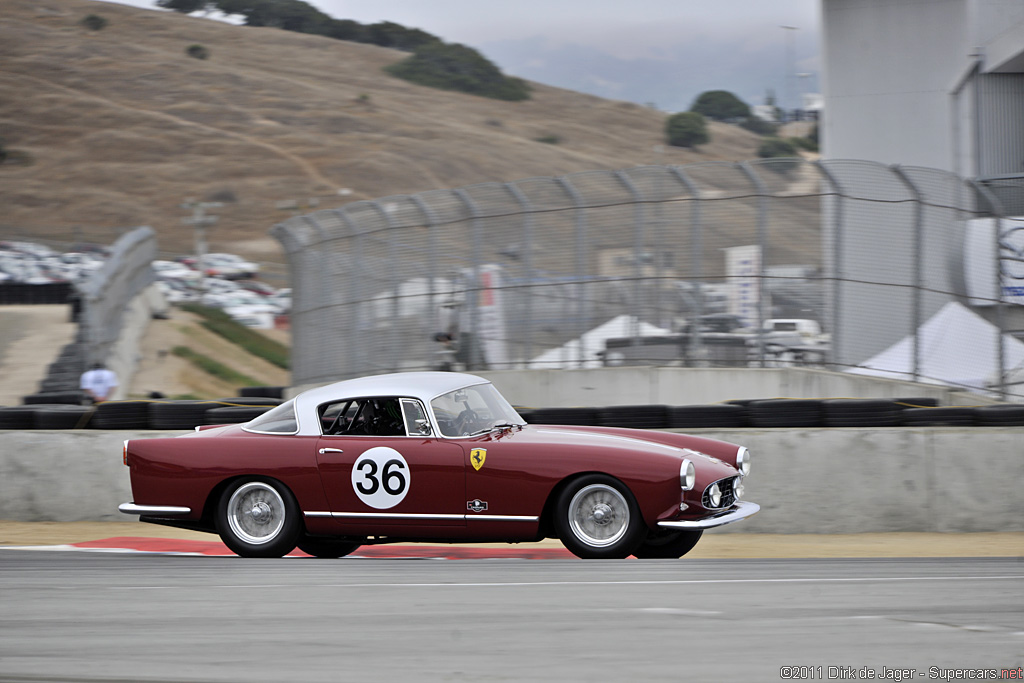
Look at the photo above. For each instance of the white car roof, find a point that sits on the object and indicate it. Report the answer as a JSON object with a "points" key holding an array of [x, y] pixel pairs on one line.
{"points": [[422, 385]]}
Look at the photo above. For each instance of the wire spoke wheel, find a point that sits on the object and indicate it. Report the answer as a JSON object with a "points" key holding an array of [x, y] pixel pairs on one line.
{"points": [[256, 513], [259, 518], [597, 517]]}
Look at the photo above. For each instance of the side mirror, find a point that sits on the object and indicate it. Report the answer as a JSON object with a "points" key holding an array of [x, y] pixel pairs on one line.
{"points": [[423, 427]]}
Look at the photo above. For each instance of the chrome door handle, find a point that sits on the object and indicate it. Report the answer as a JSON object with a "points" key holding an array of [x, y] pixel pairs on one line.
{"points": [[330, 450]]}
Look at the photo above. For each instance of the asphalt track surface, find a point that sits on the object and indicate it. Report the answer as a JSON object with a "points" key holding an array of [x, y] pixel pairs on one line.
{"points": [[94, 616]]}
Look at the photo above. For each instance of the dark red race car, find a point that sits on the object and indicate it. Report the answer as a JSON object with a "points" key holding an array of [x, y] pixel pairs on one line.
{"points": [[439, 457]]}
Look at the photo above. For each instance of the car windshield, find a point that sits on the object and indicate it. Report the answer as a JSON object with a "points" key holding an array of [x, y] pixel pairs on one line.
{"points": [[473, 409], [278, 420]]}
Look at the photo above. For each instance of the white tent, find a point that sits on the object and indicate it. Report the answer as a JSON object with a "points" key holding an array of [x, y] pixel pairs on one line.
{"points": [[957, 346], [593, 342]]}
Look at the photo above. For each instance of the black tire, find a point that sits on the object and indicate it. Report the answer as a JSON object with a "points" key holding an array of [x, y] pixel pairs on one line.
{"points": [[179, 414], [258, 517], [792, 412], [239, 415], [850, 412], [62, 416], [17, 417], [947, 416], [634, 417], [121, 415], [1001, 415], [596, 517], [269, 392], [705, 416], [237, 401], [52, 397], [668, 545], [566, 416], [326, 548]]}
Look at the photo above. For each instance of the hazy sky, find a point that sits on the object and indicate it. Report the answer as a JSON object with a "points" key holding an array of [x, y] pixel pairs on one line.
{"points": [[663, 52]]}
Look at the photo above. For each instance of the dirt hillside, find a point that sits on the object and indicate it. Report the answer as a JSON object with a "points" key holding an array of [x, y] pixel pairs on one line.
{"points": [[116, 128]]}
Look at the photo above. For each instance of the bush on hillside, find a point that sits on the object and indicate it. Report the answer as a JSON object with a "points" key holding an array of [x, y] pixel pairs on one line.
{"points": [[197, 52], [776, 147], [720, 105], [759, 126], [686, 129], [94, 22], [457, 67]]}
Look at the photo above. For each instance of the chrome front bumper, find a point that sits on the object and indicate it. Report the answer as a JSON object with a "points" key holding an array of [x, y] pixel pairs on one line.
{"points": [[734, 514], [152, 510]]}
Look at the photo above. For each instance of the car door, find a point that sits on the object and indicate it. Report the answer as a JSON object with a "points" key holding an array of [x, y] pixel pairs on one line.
{"points": [[394, 477]]}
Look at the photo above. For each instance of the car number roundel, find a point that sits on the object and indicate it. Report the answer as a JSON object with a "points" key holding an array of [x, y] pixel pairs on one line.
{"points": [[381, 477]]}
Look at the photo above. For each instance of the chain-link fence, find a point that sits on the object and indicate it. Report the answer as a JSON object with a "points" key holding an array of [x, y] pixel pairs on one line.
{"points": [[846, 265]]}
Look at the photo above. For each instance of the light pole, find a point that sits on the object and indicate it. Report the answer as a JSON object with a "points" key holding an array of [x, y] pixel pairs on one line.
{"points": [[199, 220], [790, 65]]}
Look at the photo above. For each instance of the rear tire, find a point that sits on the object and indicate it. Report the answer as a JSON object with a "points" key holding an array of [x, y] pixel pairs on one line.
{"points": [[670, 545], [258, 517], [596, 517]]}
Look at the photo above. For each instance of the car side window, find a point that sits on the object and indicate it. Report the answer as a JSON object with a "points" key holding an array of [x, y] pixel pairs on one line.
{"points": [[416, 422], [363, 417]]}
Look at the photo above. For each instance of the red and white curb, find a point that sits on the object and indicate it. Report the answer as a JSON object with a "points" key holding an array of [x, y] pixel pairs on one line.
{"points": [[174, 546]]}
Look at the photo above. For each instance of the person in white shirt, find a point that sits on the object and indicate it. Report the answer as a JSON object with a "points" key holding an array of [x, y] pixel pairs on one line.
{"points": [[98, 383]]}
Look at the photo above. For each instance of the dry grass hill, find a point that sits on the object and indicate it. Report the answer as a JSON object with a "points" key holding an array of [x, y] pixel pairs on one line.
{"points": [[115, 128]]}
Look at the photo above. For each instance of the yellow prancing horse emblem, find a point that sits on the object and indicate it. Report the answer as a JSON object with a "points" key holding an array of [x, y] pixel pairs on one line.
{"points": [[477, 457]]}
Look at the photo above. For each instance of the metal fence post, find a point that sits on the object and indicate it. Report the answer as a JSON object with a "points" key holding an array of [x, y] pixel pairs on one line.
{"points": [[999, 211], [393, 279], [638, 248], [581, 289], [918, 266], [696, 260], [527, 257], [762, 231], [475, 352], [837, 261]]}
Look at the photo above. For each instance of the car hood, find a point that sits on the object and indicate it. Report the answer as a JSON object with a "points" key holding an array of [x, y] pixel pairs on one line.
{"points": [[564, 438]]}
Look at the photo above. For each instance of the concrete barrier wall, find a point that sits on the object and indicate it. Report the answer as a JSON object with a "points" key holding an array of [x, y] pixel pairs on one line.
{"points": [[693, 386], [806, 480]]}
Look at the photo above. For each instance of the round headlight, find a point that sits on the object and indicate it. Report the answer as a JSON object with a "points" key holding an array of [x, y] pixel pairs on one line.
{"points": [[743, 461], [687, 475], [737, 489], [715, 495]]}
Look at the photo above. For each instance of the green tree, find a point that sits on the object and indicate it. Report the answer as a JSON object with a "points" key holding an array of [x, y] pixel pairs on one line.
{"points": [[720, 105], [686, 129], [776, 147], [457, 67], [390, 34], [184, 6]]}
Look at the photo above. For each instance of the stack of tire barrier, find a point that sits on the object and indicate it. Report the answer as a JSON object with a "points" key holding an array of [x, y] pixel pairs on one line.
{"points": [[45, 411], [785, 413], [136, 415]]}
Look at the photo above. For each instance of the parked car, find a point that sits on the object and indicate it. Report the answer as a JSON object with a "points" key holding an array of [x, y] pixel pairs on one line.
{"points": [[438, 457]]}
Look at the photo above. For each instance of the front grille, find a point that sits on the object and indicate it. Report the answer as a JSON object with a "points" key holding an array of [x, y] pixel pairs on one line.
{"points": [[728, 494]]}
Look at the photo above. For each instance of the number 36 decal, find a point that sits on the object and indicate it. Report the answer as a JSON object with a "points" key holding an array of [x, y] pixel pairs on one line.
{"points": [[381, 477]]}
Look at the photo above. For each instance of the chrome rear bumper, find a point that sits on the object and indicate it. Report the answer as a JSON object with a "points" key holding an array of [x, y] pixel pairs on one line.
{"points": [[734, 514], [152, 510]]}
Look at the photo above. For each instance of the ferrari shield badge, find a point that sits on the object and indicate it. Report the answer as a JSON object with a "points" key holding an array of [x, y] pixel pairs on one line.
{"points": [[477, 457]]}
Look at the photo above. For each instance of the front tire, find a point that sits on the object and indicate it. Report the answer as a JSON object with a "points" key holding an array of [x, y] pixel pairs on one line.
{"points": [[671, 545], [596, 517], [258, 517]]}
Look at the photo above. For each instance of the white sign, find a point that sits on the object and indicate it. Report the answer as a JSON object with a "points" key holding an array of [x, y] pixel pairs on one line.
{"points": [[743, 269], [984, 257]]}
